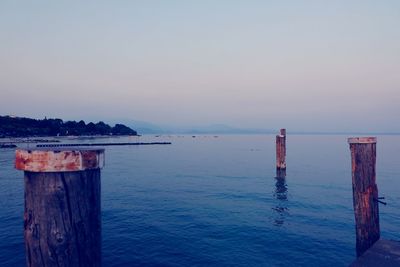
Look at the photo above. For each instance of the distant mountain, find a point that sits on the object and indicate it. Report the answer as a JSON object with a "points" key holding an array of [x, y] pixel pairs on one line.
{"points": [[143, 127], [26, 127], [225, 129], [146, 128]]}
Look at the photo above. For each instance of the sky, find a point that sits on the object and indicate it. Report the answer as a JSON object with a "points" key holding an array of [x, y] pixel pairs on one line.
{"points": [[303, 65]]}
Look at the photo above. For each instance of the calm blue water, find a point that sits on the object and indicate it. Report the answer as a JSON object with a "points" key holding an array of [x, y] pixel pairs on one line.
{"points": [[210, 201]]}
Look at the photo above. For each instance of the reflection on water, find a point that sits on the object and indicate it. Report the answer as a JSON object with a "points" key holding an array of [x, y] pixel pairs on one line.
{"points": [[281, 207]]}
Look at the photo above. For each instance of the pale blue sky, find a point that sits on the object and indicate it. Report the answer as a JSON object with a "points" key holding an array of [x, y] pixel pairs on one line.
{"points": [[303, 65]]}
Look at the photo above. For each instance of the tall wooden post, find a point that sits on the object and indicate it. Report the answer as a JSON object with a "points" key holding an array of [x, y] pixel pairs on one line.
{"points": [[281, 154], [62, 216], [365, 192]]}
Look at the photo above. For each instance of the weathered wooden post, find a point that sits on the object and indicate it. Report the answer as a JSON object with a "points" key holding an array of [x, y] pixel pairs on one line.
{"points": [[281, 154], [365, 192], [62, 216]]}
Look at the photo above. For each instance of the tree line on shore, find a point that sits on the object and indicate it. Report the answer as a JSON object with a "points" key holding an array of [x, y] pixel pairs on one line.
{"points": [[26, 127]]}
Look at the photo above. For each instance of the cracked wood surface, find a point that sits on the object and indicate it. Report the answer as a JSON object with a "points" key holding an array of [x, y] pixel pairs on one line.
{"points": [[62, 224], [365, 192]]}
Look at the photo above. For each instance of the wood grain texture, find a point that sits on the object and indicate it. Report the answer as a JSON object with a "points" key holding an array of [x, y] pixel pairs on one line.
{"points": [[281, 154], [62, 218], [365, 195]]}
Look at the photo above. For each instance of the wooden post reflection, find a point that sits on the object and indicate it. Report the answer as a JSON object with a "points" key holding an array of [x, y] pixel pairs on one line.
{"points": [[280, 194]]}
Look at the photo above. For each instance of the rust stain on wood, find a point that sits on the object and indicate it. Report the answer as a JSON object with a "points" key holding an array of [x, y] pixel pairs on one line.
{"points": [[361, 140], [59, 160]]}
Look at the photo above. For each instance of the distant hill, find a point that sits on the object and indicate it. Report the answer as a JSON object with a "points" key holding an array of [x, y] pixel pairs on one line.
{"points": [[26, 127], [225, 129], [151, 128], [143, 127]]}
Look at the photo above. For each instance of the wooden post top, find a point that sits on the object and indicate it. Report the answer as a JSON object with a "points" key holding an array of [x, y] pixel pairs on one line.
{"points": [[362, 140], [59, 159]]}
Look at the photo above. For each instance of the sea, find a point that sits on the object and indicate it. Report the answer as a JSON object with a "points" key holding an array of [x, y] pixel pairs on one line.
{"points": [[214, 200]]}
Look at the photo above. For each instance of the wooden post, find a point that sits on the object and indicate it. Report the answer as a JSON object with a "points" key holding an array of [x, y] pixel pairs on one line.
{"points": [[281, 154], [62, 216], [365, 192]]}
